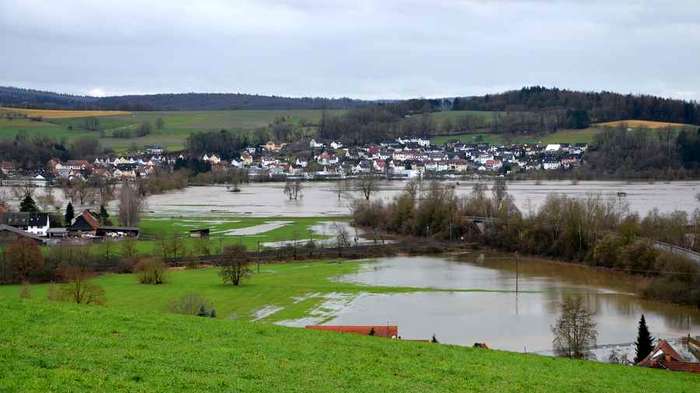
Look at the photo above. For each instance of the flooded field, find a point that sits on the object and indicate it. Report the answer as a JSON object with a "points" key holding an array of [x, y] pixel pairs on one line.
{"points": [[321, 198], [480, 303]]}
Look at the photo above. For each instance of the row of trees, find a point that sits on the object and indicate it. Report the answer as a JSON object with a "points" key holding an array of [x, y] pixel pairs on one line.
{"points": [[34, 152], [600, 106]]}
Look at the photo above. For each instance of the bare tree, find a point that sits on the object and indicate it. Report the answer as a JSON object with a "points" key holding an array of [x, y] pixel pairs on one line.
{"points": [[234, 266], [340, 187], [79, 288], [47, 201], [342, 237], [130, 205], [293, 189], [85, 192], [575, 331], [128, 248], [22, 190], [103, 188], [367, 184]]}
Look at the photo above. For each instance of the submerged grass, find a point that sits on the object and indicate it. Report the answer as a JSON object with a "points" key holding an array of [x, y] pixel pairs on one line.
{"points": [[294, 228]]}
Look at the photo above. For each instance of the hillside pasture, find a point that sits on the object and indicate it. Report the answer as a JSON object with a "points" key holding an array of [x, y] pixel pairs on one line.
{"points": [[642, 124], [60, 347], [177, 125], [61, 114], [562, 136]]}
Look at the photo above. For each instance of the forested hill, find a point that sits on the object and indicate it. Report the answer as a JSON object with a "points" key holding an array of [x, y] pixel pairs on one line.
{"points": [[11, 96], [599, 106]]}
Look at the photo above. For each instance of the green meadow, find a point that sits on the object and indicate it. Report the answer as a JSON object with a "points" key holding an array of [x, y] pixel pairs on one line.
{"points": [[562, 136], [134, 343], [295, 288], [222, 230], [177, 125]]}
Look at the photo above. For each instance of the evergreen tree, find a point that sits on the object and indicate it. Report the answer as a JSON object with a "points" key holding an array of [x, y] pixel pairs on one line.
{"points": [[644, 343], [104, 216], [70, 214], [28, 205]]}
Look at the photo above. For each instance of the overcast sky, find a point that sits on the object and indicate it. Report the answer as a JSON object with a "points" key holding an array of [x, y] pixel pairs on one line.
{"points": [[355, 48]]}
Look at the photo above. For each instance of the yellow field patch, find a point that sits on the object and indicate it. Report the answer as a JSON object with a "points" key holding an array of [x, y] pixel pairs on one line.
{"points": [[61, 114], [640, 124]]}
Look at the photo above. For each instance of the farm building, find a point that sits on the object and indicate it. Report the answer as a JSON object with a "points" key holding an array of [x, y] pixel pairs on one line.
{"points": [[9, 234], [665, 357], [34, 223], [390, 331]]}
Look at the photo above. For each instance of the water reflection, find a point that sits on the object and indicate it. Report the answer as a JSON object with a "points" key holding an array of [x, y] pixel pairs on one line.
{"points": [[496, 314]]}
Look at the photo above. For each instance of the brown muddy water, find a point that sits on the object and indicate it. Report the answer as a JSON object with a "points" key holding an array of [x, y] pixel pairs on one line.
{"points": [[479, 303]]}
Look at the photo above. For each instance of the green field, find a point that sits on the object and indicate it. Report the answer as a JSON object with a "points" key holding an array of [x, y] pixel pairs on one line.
{"points": [[562, 136], [68, 348], [277, 285], [177, 125], [297, 228]]}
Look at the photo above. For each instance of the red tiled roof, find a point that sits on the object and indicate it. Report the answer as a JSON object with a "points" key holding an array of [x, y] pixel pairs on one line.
{"points": [[661, 350], [90, 219], [664, 356], [379, 330]]}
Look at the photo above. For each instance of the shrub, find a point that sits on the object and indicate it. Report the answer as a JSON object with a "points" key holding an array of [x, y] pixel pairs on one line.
{"points": [[79, 287], [24, 258], [25, 291], [233, 265], [151, 271], [192, 304]]}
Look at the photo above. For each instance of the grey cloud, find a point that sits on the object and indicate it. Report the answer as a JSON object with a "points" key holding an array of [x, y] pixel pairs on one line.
{"points": [[363, 48]]}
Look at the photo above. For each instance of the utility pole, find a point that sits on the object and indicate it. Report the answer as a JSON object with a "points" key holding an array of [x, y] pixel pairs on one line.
{"points": [[517, 273]]}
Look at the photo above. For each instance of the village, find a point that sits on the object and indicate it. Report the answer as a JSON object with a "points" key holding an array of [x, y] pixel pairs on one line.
{"points": [[403, 158]]}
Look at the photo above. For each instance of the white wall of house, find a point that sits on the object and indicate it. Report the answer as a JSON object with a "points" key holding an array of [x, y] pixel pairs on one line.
{"points": [[39, 230]]}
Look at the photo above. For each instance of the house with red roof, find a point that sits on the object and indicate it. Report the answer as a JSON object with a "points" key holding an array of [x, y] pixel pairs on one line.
{"points": [[665, 357], [389, 331], [86, 222]]}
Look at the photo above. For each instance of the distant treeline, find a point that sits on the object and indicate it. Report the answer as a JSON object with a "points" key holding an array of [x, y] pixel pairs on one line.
{"points": [[598, 106], [644, 153], [27, 98], [34, 152]]}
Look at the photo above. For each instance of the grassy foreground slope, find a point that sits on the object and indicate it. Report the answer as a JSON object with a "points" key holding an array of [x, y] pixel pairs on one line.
{"points": [[69, 348]]}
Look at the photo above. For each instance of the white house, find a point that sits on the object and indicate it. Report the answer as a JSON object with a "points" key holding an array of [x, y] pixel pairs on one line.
{"points": [[38, 225], [315, 145]]}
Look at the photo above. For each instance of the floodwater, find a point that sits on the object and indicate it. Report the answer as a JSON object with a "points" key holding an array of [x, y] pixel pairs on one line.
{"points": [[489, 310], [321, 198]]}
